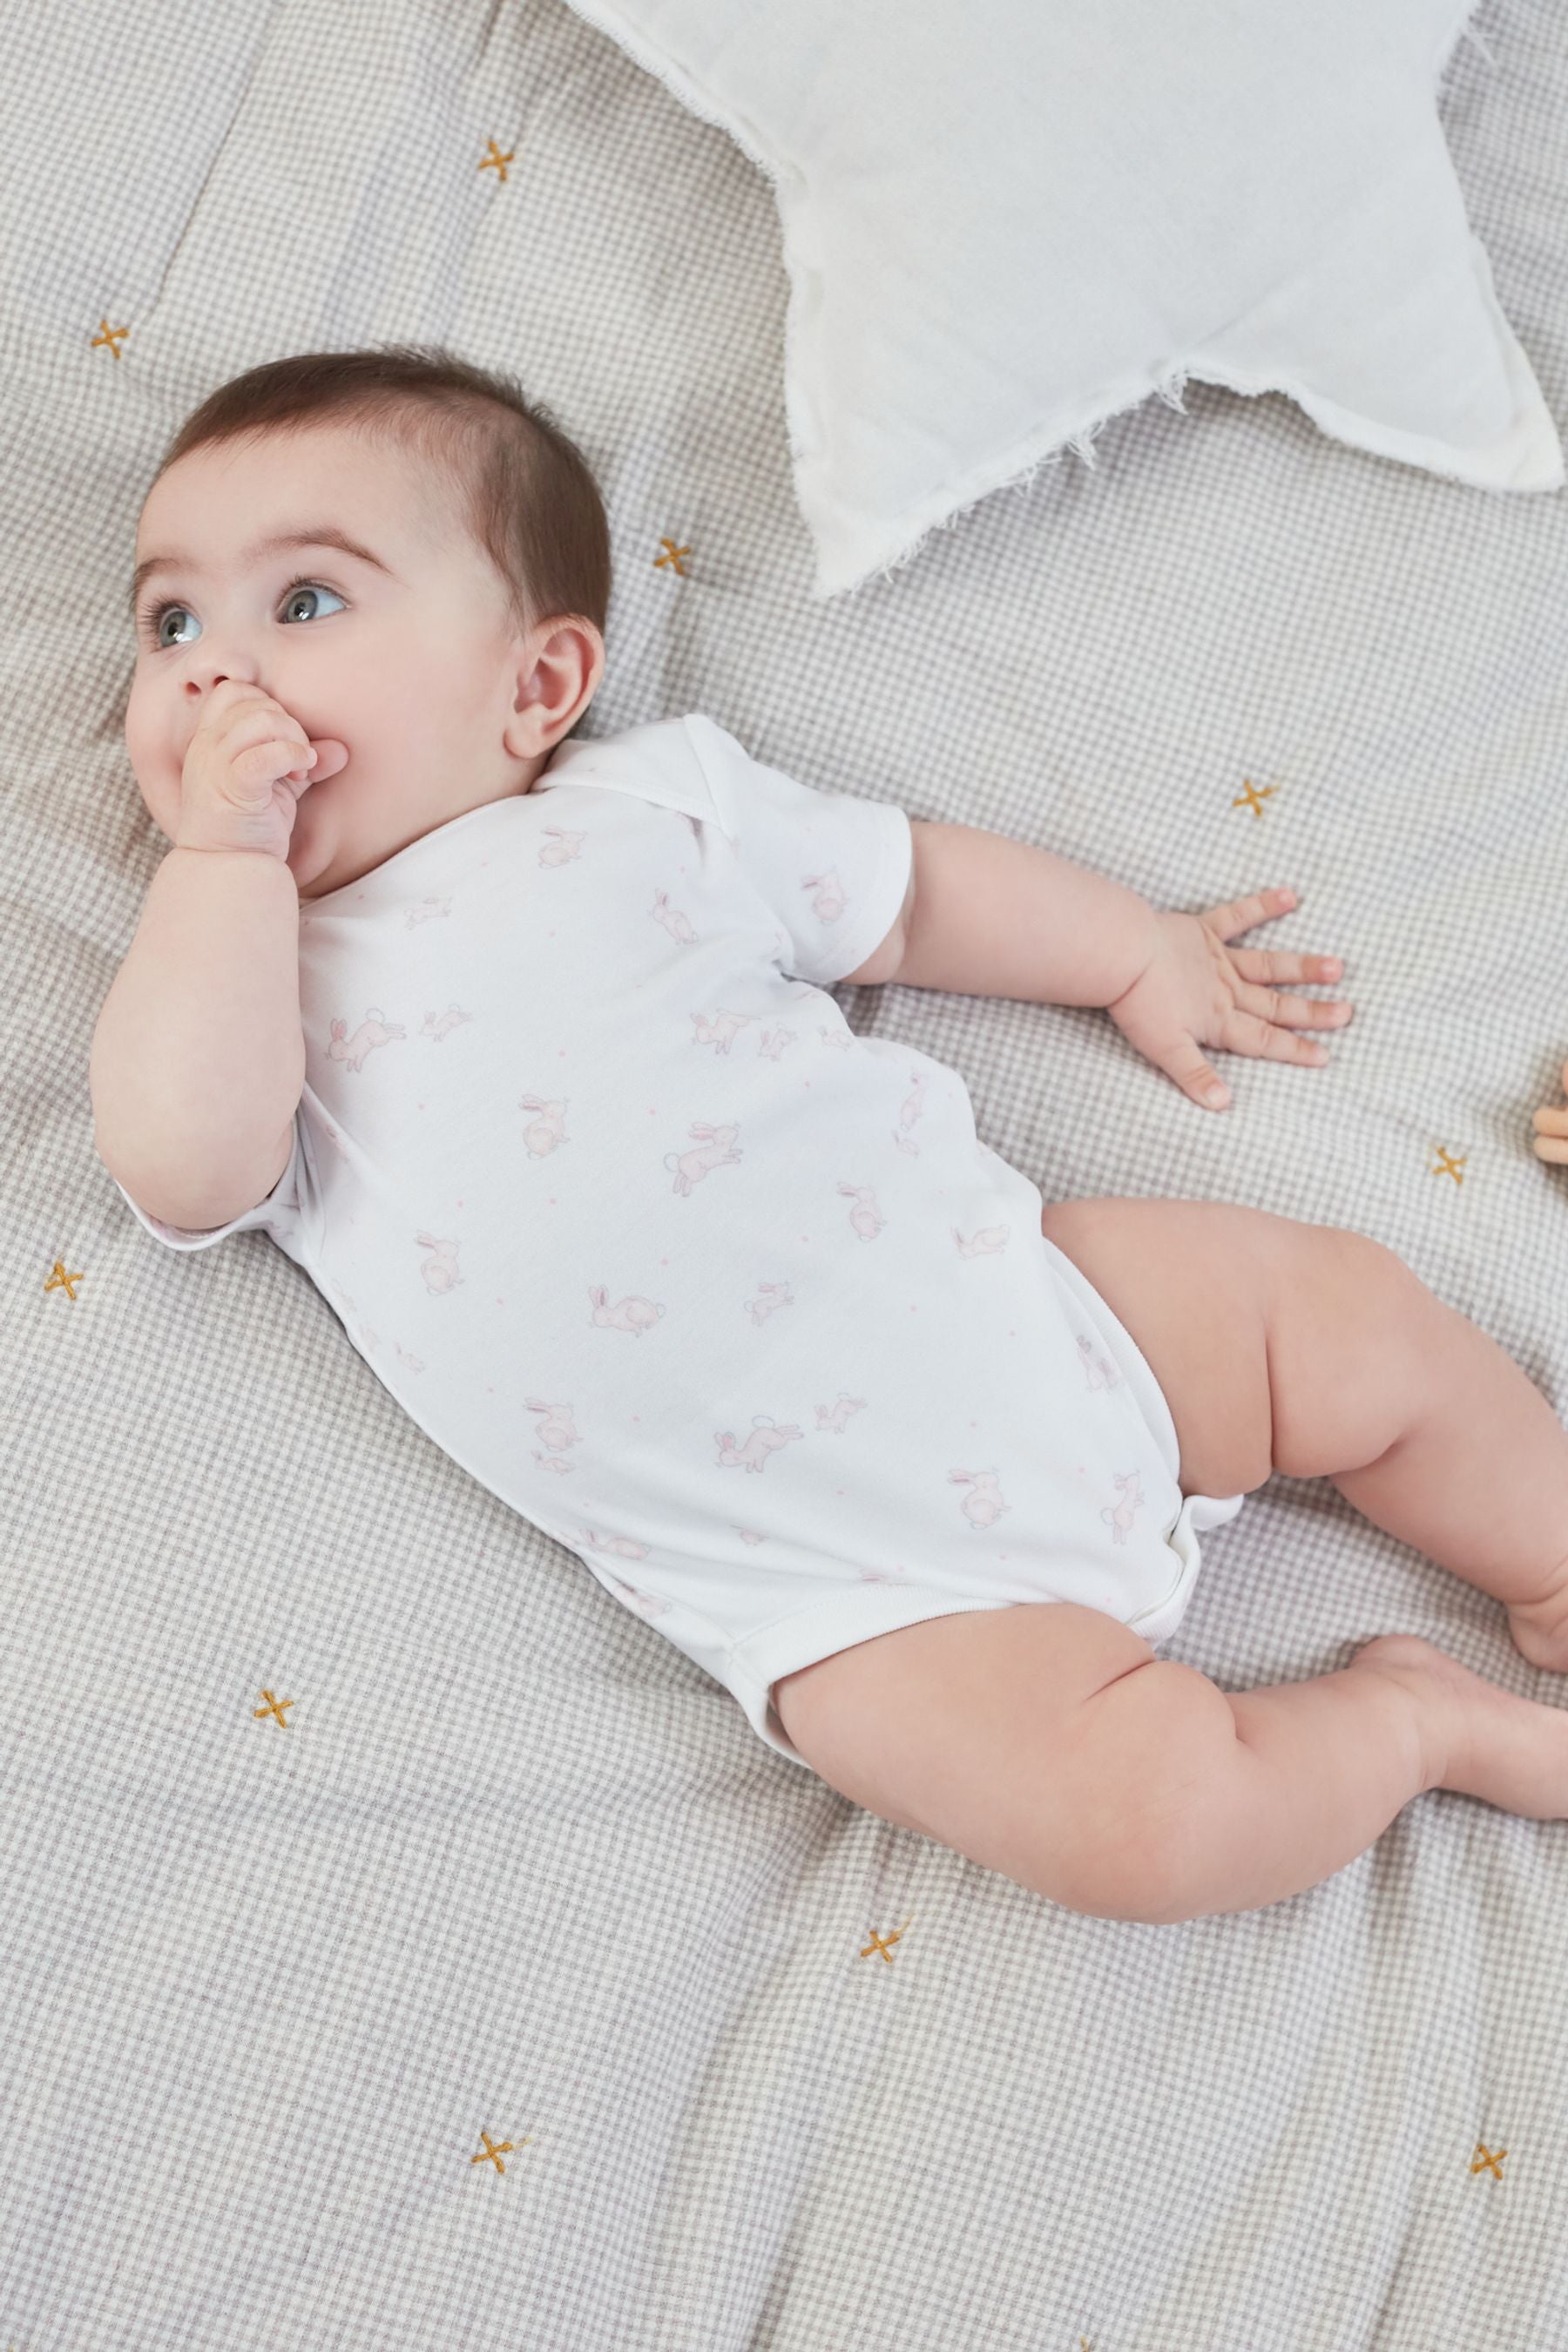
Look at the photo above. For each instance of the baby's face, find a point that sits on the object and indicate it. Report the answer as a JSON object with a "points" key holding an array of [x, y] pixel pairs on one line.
{"points": [[416, 667]]}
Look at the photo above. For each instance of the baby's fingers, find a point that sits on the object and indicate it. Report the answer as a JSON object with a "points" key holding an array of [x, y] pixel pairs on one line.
{"points": [[1551, 1133], [1294, 1011], [1185, 1063], [1248, 1032]]}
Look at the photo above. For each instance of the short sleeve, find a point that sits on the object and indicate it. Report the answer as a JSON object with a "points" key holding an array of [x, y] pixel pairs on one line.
{"points": [[280, 1214], [832, 866]]}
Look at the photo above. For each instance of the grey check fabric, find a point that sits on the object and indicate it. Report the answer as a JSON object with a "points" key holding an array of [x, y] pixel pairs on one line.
{"points": [[399, 1944]]}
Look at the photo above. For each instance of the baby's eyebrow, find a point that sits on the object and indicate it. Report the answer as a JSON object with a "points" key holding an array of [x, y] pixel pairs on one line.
{"points": [[318, 535]]}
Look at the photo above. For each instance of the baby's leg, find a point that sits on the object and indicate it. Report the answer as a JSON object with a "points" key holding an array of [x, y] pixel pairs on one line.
{"points": [[1315, 1351], [1049, 1742]]}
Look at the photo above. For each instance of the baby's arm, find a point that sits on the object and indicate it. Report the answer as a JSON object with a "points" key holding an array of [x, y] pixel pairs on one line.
{"points": [[198, 1058], [986, 915]]}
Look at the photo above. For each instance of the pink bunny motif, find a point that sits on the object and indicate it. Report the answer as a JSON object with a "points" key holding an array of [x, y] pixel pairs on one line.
{"points": [[984, 1507], [557, 1430], [633, 1315], [646, 1604], [372, 1031], [543, 1134], [561, 847], [910, 1110], [1132, 1499], [551, 1461], [424, 908], [441, 1270], [439, 1024], [749, 1535], [866, 1217], [1099, 1369], [839, 1039], [623, 1547], [721, 1029], [715, 1148], [676, 924], [774, 1295], [767, 1435], [829, 902], [985, 1244], [833, 1417], [772, 1042]]}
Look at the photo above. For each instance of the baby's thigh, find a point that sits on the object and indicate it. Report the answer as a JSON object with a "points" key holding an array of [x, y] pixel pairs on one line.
{"points": [[1192, 1281], [1278, 1345], [969, 1729]]}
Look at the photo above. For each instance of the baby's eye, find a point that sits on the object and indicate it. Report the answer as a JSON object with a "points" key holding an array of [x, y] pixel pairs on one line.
{"points": [[308, 588]]}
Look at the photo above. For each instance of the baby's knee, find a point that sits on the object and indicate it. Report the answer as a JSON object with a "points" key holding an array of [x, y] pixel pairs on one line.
{"points": [[1117, 1831]]}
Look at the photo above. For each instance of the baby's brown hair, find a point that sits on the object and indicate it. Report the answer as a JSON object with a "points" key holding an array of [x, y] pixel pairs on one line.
{"points": [[530, 499]]}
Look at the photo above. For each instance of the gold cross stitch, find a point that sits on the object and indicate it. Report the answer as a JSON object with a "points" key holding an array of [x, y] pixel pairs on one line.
{"points": [[879, 1944], [273, 1706], [1489, 2162], [673, 557], [106, 334], [492, 2153], [60, 1280], [1253, 799], [1448, 1165], [496, 161]]}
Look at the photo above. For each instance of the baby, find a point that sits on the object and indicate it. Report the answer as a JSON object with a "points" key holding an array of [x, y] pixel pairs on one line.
{"points": [[521, 1048]]}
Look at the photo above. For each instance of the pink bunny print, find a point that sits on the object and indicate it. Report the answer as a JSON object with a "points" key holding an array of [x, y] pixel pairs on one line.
{"points": [[1132, 1499], [772, 1042], [984, 1507], [834, 1416], [372, 1031], [839, 1039], [633, 1315], [1099, 1369], [543, 1134], [557, 1430], [561, 846], [674, 921], [774, 1295], [766, 1437], [441, 1270], [424, 908], [439, 1024], [909, 1111], [623, 1547], [721, 1030], [646, 1604], [985, 1244], [715, 1148], [829, 902], [866, 1217]]}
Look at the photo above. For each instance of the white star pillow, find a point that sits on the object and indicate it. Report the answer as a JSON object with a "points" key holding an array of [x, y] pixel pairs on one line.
{"points": [[1005, 221]]}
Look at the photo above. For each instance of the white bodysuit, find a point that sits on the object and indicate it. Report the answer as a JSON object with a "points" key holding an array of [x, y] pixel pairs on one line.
{"points": [[730, 1301]]}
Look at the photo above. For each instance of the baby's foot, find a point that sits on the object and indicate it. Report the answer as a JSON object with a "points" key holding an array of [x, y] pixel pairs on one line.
{"points": [[1484, 1742], [1552, 1127]]}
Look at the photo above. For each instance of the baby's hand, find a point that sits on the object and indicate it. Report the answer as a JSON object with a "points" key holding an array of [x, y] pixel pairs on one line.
{"points": [[1551, 1127], [246, 768], [1195, 990]]}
